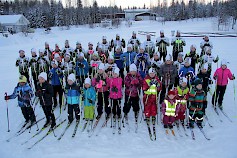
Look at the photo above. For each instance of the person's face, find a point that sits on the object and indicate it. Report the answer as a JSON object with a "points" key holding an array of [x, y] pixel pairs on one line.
{"points": [[171, 96], [70, 82], [41, 80], [115, 75], [223, 67], [87, 85], [199, 86], [129, 49], [152, 75]]}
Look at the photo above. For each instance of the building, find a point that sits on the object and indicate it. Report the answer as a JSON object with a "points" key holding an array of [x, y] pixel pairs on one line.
{"points": [[143, 14], [13, 23]]}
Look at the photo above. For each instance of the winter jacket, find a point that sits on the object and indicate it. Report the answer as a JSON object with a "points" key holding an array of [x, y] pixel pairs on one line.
{"points": [[68, 67], [148, 84], [182, 97], [77, 52], [117, 42], [194, 58], [222, 76], [128, 58], [133, 85], [23, 64], [82, 68], [149, 47], [140, 59], [179, 65], [24, 94], [115, 88], [206, 80], [34, 65], [45, 93], [55, 76], [43, 64], [135, 43], [156, 64], [168, 73], [72, 93], [184, 71], [178, 44], [162, 43], [89, 94], [118, 61], [169, 107], [100, 82], [206, 44]]}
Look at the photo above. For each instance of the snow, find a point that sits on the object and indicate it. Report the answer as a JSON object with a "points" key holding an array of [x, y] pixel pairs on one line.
{"points": [[128, 144], [9, 19]]}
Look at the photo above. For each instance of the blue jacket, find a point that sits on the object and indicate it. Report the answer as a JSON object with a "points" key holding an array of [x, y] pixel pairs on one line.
{"points": [[138, 61], [82, 71], [55, 76], [118, 60], [183, 72], [24, 94], [128, 55], [89, 93], [73, 94]]}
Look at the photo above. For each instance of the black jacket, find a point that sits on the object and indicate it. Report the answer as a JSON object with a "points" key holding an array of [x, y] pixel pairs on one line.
{"points": [[45, 93], [205, 77]]}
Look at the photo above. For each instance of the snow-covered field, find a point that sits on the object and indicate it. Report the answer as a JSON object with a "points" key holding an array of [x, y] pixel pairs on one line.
{"points": [[129, 144]]}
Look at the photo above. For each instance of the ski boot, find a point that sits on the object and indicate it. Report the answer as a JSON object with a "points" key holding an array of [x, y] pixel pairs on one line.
{"points": [[199, 124]]}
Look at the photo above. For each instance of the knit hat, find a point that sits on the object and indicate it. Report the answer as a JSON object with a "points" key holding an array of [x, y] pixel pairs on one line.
{"points": [[102, 66], [81, 55], [55, 62], [71, 77], [88, 81], [151, 70], [180, 54], [78, 42], [205, 66], [22, 78], [100, 46], [207, 49], [56, 55], [132, 67], [33, 50], [90, 43], [41, 51], [129, 46], [188, 60], [68, 55], [117, 35], [197, 81], [104, 38], [118, 47], [224, 62], [43, 75], [157, 53], [21, 51], [116, 70], [168, 57], [111, 57], [171, 92]]}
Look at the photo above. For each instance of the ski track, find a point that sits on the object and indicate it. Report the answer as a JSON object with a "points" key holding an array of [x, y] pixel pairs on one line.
{"points": [[129, 144]]}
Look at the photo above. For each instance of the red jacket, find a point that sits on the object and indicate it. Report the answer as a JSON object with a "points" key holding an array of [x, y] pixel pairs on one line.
{"points": [[133, 84]]}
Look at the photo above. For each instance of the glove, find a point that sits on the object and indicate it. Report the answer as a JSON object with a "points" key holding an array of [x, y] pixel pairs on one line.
{"points": [[73, 63], [114, 89], [233, 77], [134, 82], [210, 81], [81, 65], [50, 75], [215, 77], [7, 97], [58, 71], [217, 58], [90, 101], [142, 58], [189, 75], [110, 69]]}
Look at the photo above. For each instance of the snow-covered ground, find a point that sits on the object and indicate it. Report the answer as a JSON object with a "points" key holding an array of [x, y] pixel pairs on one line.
{"points": [[129, 144]]}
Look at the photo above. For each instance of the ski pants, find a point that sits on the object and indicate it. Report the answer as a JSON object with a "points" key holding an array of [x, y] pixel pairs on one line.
{"points": [[103, 101], [89, 112], [219, 94], [197, 115], [168, 120], [28, 114], [150, 105], [57, 89], [35, 78], [49, 114], [76, 109], [163, 55], [116, 107], [132, 101]]}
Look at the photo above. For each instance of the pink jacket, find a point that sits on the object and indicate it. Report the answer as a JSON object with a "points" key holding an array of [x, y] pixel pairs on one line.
{"points": [[115, 83], [104, 81], [133, 84], [222, 76]]}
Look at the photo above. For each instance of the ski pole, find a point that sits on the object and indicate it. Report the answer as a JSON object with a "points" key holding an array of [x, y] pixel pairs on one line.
{"points": [[234, 89], [8, 123]]}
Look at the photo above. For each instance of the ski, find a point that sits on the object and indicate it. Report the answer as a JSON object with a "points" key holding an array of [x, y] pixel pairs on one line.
{"points": [[114, 124], [225, 114], [25, 128], [136, 125], [204, 134], [60, 137], [185, 132], [104, 124], [192, 133], [208, 121], [85, 125], [215, 109], [172, 132], [149, 129], [154, 128], [75, 129], [178, 129], [49, 132], [94, 127], [119, 126]]}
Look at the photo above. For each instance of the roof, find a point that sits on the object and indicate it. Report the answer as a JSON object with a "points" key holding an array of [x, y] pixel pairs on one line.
{"points": [[146, 13], [136, 10], [11, 19]]}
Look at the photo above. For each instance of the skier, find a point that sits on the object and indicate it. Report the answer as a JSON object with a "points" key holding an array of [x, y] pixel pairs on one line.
{"points": [[58, 58], [23, 63], [34, 66], [156, 63], [205, 43], [115, 93], [56, 78], [68, 65], [89, 96], [45, 93], [119, 62], [193, 55], [102, 56], [178, 43], [78, 51], [182, 96], [24, 93], [105, 46], [100, 82], [187, 71], [169, 109], [67, 49], [47, 51], [133, 83], [205, 77], [89, 53], [128, 57], [117, 42], [151, 87], [72, 93], [197, 100], [56, 51], [43, 62], [162, 43], [168, 73], [142, 60], [149, 46], [94, 64], [179, 65], [134, 41], [82, 69], [221, 77]]}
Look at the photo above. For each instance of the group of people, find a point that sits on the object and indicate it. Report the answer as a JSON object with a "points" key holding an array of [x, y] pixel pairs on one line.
{"points": [[147, 77]]}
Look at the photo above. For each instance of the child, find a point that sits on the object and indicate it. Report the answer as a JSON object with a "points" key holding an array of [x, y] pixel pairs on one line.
{"points": [[34, 66], [89, 96], [169, 109], [94, 64], [205, 77], [24, 93], [179, 65], [149, 45], [221, 76], [82, 69], [182, 96], [68, 65], [115, 89], [193, 55], [23, 63], [135, 42], [205, 43], [156, 63], [43, 62], [100, 82], [56, 77], [45, 93], [128, 57], [119, 62], [133, 83], [187, 71], [72, 91], [110, 66], [197, 101]]}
